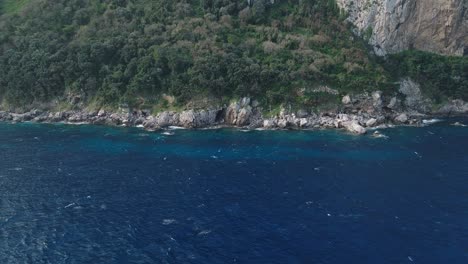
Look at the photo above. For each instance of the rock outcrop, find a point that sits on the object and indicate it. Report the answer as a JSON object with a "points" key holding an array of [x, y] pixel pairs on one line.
{"points": [[414, 99], [239, 113], [439, 26], [357, 114]]}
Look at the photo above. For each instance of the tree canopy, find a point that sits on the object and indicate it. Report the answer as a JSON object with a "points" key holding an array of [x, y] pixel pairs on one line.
{"points": [[110, 52]]}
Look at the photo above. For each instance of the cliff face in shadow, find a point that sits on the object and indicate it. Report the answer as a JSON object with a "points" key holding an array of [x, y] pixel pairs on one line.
{"points": [[439, 26]]}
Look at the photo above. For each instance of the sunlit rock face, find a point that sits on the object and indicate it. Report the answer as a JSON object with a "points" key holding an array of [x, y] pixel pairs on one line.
{"points": [[439, 26]]}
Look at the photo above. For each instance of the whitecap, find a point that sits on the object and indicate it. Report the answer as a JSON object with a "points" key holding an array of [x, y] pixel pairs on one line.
{"points": [[209, 128], [76, 123], [381, 136], [16, 169], [176, 127], [168, 221], [351, 215], [140, 126], [459, 124], [168, 133], [431, 121], [70, 205], [377, 134], [204, 232]]}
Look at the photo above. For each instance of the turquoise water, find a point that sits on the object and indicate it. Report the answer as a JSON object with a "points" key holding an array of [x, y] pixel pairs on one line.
{"points": [[90, 194]]}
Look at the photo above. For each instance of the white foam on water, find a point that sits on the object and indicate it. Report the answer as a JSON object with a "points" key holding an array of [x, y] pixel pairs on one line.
{"points": [[459, 124], [431, 121], [168, 133], [351, 215], [168, 221], [377, 134], [76, 123], [209, 128], [140, 126], [176, 127], [204, 232], [70, 205]]}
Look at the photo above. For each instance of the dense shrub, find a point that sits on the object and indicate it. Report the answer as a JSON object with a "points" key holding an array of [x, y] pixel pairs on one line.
{"points": [[111, 52]]}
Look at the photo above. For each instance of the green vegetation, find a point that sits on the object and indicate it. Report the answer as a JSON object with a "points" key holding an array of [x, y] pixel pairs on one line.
{"points": [[441, 77], [142, 52], [12, 6]]}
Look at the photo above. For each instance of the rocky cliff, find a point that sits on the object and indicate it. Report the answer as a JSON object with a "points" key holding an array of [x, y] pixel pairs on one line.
{"points": [[357, 114], [439, 26]]}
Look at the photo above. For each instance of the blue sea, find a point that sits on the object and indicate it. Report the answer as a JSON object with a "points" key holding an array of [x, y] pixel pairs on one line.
{"points": [[91, 194]]}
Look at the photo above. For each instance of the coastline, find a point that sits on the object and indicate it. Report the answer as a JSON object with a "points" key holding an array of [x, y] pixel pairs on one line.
{"points": [[357, 115]]}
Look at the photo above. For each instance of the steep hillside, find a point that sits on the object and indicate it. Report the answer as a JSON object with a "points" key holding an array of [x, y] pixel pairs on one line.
{"points": [[392, 26], [191, 53], [11, 6]]}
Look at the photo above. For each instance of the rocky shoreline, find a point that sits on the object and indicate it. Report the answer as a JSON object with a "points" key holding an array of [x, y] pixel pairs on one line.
{"points": [[357, 114]]}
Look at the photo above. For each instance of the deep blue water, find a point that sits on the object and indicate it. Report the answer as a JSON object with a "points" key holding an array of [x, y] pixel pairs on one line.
{"points": [[89, 194]]}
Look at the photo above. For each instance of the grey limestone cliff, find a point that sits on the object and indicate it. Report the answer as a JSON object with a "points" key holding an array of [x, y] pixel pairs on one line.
{"points": [[439, 26]]}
